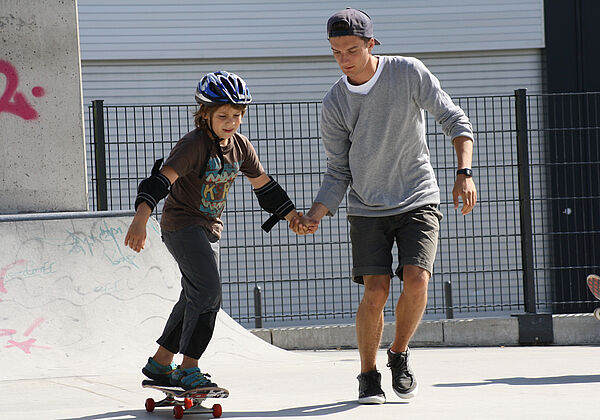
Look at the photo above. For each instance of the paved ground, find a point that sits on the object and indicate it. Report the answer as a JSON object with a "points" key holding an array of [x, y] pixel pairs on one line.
{"points": [[79, 314], [458, 383]]}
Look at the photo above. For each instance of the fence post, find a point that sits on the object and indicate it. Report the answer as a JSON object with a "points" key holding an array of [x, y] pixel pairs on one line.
{"points": [[99, 154], [525, 201], [448, 299], [257, 307]]}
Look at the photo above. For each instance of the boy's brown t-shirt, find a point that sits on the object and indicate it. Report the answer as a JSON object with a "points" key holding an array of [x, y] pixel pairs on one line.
{"points": [[199, 199]]}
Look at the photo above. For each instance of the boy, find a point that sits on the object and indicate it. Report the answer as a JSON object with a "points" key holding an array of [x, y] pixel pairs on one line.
{"points": [[196, 178]]}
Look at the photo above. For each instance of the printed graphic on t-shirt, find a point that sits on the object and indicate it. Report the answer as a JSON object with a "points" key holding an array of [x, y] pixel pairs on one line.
{"points": [[216, 186]]}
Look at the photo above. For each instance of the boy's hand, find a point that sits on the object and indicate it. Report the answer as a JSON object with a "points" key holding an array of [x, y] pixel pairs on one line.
{"points": [[304, 225], [136, 235]]}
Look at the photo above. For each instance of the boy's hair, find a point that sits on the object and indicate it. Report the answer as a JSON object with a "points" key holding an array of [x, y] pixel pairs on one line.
{"points": [[343, 27], [205, 112]]}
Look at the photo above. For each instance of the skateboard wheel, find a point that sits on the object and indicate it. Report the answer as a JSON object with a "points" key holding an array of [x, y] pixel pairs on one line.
{"points": [[217, 410], [150, 405], [597, 313], [178, 411], [188, 403]]}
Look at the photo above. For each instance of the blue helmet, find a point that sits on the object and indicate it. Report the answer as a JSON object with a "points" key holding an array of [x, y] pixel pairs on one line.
{"points": [[222, 87]]}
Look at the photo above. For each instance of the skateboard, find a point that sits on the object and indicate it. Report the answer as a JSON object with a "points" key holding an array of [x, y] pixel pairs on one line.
{"points": [[185, 402], [593, 282]]}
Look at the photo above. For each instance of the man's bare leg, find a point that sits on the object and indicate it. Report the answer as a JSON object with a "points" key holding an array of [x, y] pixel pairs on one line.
{"points": [[411, 305], [369, 319], [409, 311]]}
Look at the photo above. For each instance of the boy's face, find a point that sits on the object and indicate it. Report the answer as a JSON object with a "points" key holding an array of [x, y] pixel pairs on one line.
{"points": [[226, 120], [353, 55]]}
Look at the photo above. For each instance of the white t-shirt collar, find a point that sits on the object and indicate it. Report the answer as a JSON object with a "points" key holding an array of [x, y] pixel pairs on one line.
{"points": [[365, 87]]}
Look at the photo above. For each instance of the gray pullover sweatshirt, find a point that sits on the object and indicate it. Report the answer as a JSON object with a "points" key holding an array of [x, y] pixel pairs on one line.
{"points": [[375, 142]]}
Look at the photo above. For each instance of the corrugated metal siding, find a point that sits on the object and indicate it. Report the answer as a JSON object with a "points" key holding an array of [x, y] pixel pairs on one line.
{"points": [[160, 29], [461, 74]]}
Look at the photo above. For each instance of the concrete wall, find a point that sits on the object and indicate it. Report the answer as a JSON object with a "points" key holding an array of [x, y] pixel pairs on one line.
{"points": [[578, 329], [42, 165]]}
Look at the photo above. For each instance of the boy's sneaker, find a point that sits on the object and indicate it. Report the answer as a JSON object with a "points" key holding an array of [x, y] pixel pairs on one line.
{"points": [[404, 381], [369, 388], [190, 378], [157, 372]]}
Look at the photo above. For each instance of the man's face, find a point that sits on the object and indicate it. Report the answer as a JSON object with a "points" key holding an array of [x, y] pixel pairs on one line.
{"points": [[353, 56]]}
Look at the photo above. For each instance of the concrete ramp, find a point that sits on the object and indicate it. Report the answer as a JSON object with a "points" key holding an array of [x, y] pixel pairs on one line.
{"points": [[79, 314], [72, 295]]}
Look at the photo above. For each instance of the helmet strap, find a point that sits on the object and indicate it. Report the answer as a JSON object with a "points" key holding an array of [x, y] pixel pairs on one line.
{"points": [[217, 140]]}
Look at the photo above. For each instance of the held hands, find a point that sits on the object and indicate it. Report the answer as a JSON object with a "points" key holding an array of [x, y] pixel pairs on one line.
{"points": [[465, 188], [303, 225]]}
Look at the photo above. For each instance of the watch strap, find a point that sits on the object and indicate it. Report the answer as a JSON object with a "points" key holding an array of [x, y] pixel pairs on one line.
{"points": [[465, 171]]}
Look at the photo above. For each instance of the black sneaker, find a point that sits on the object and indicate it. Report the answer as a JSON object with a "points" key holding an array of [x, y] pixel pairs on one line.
{"points": [[369, 388], [404, 381]]}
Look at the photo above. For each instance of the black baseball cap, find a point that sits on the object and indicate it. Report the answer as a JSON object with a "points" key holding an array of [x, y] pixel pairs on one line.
{"points": [[357, 23]]}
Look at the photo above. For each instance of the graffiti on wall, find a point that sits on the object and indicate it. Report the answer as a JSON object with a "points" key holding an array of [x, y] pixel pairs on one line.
{"points": [[58, 276], [12, 101]]}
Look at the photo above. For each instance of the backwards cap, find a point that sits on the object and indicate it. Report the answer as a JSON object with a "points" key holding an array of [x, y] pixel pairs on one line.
{"points": [[356, 22]]}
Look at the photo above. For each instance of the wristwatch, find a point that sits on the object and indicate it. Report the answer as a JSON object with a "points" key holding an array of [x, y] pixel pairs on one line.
{"points": [[465, 171]]}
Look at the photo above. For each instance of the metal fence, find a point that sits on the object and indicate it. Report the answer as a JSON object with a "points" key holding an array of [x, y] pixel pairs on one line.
{"points": [[527, 246]]}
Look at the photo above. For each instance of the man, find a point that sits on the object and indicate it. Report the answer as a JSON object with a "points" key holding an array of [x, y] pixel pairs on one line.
{"points": [[373, 131]]}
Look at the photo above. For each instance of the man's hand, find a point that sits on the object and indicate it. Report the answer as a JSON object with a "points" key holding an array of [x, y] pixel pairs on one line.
{"points": [[304, 225], [309, 223], [464, 187]]}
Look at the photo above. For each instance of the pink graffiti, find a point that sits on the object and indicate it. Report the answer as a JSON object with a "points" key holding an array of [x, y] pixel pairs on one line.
{"points": [[33, 326], [28, 344], [3, 271], [15, 102], [25, 345]]}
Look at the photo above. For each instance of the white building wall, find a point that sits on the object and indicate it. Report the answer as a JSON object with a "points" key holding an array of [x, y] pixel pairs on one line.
{"points": [[160, 29], [284, 79], [155, 51]]}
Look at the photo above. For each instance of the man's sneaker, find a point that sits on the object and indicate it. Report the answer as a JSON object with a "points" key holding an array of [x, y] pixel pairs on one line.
{"points": [[190, 378], [157, 372], [404, 381], [369, 388]]}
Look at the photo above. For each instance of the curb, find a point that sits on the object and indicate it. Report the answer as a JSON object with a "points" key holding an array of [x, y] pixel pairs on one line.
{"points": [[576, 329]]}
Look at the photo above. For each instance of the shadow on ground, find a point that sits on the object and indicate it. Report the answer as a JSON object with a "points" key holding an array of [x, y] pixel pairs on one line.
{"points": [[307, 411], [551, 380]]}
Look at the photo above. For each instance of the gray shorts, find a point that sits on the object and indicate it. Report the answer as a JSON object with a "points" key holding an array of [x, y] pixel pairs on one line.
{"points": [[415, 233]]}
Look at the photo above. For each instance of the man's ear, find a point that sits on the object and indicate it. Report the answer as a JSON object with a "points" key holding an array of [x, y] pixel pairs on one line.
{"points": [[371, 44]]}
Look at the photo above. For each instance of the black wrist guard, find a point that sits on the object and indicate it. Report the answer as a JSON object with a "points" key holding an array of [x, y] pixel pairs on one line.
{"points": [[154, 188], [273, 199]]}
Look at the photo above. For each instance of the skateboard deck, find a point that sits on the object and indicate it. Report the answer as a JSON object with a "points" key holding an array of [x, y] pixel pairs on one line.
{"points": [[593, 282], [185, 401]]}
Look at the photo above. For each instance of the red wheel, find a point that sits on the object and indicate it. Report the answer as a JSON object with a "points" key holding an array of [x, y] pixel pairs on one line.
{"points": [[178, 411], [217, 410], [188, 403], [150, 405]]}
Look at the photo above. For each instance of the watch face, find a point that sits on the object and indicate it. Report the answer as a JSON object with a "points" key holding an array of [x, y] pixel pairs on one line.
{"points": [[465, 171]]}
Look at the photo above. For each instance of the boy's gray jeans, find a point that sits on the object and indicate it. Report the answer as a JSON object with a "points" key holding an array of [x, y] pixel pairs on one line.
{"points": [[190, 326]]}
